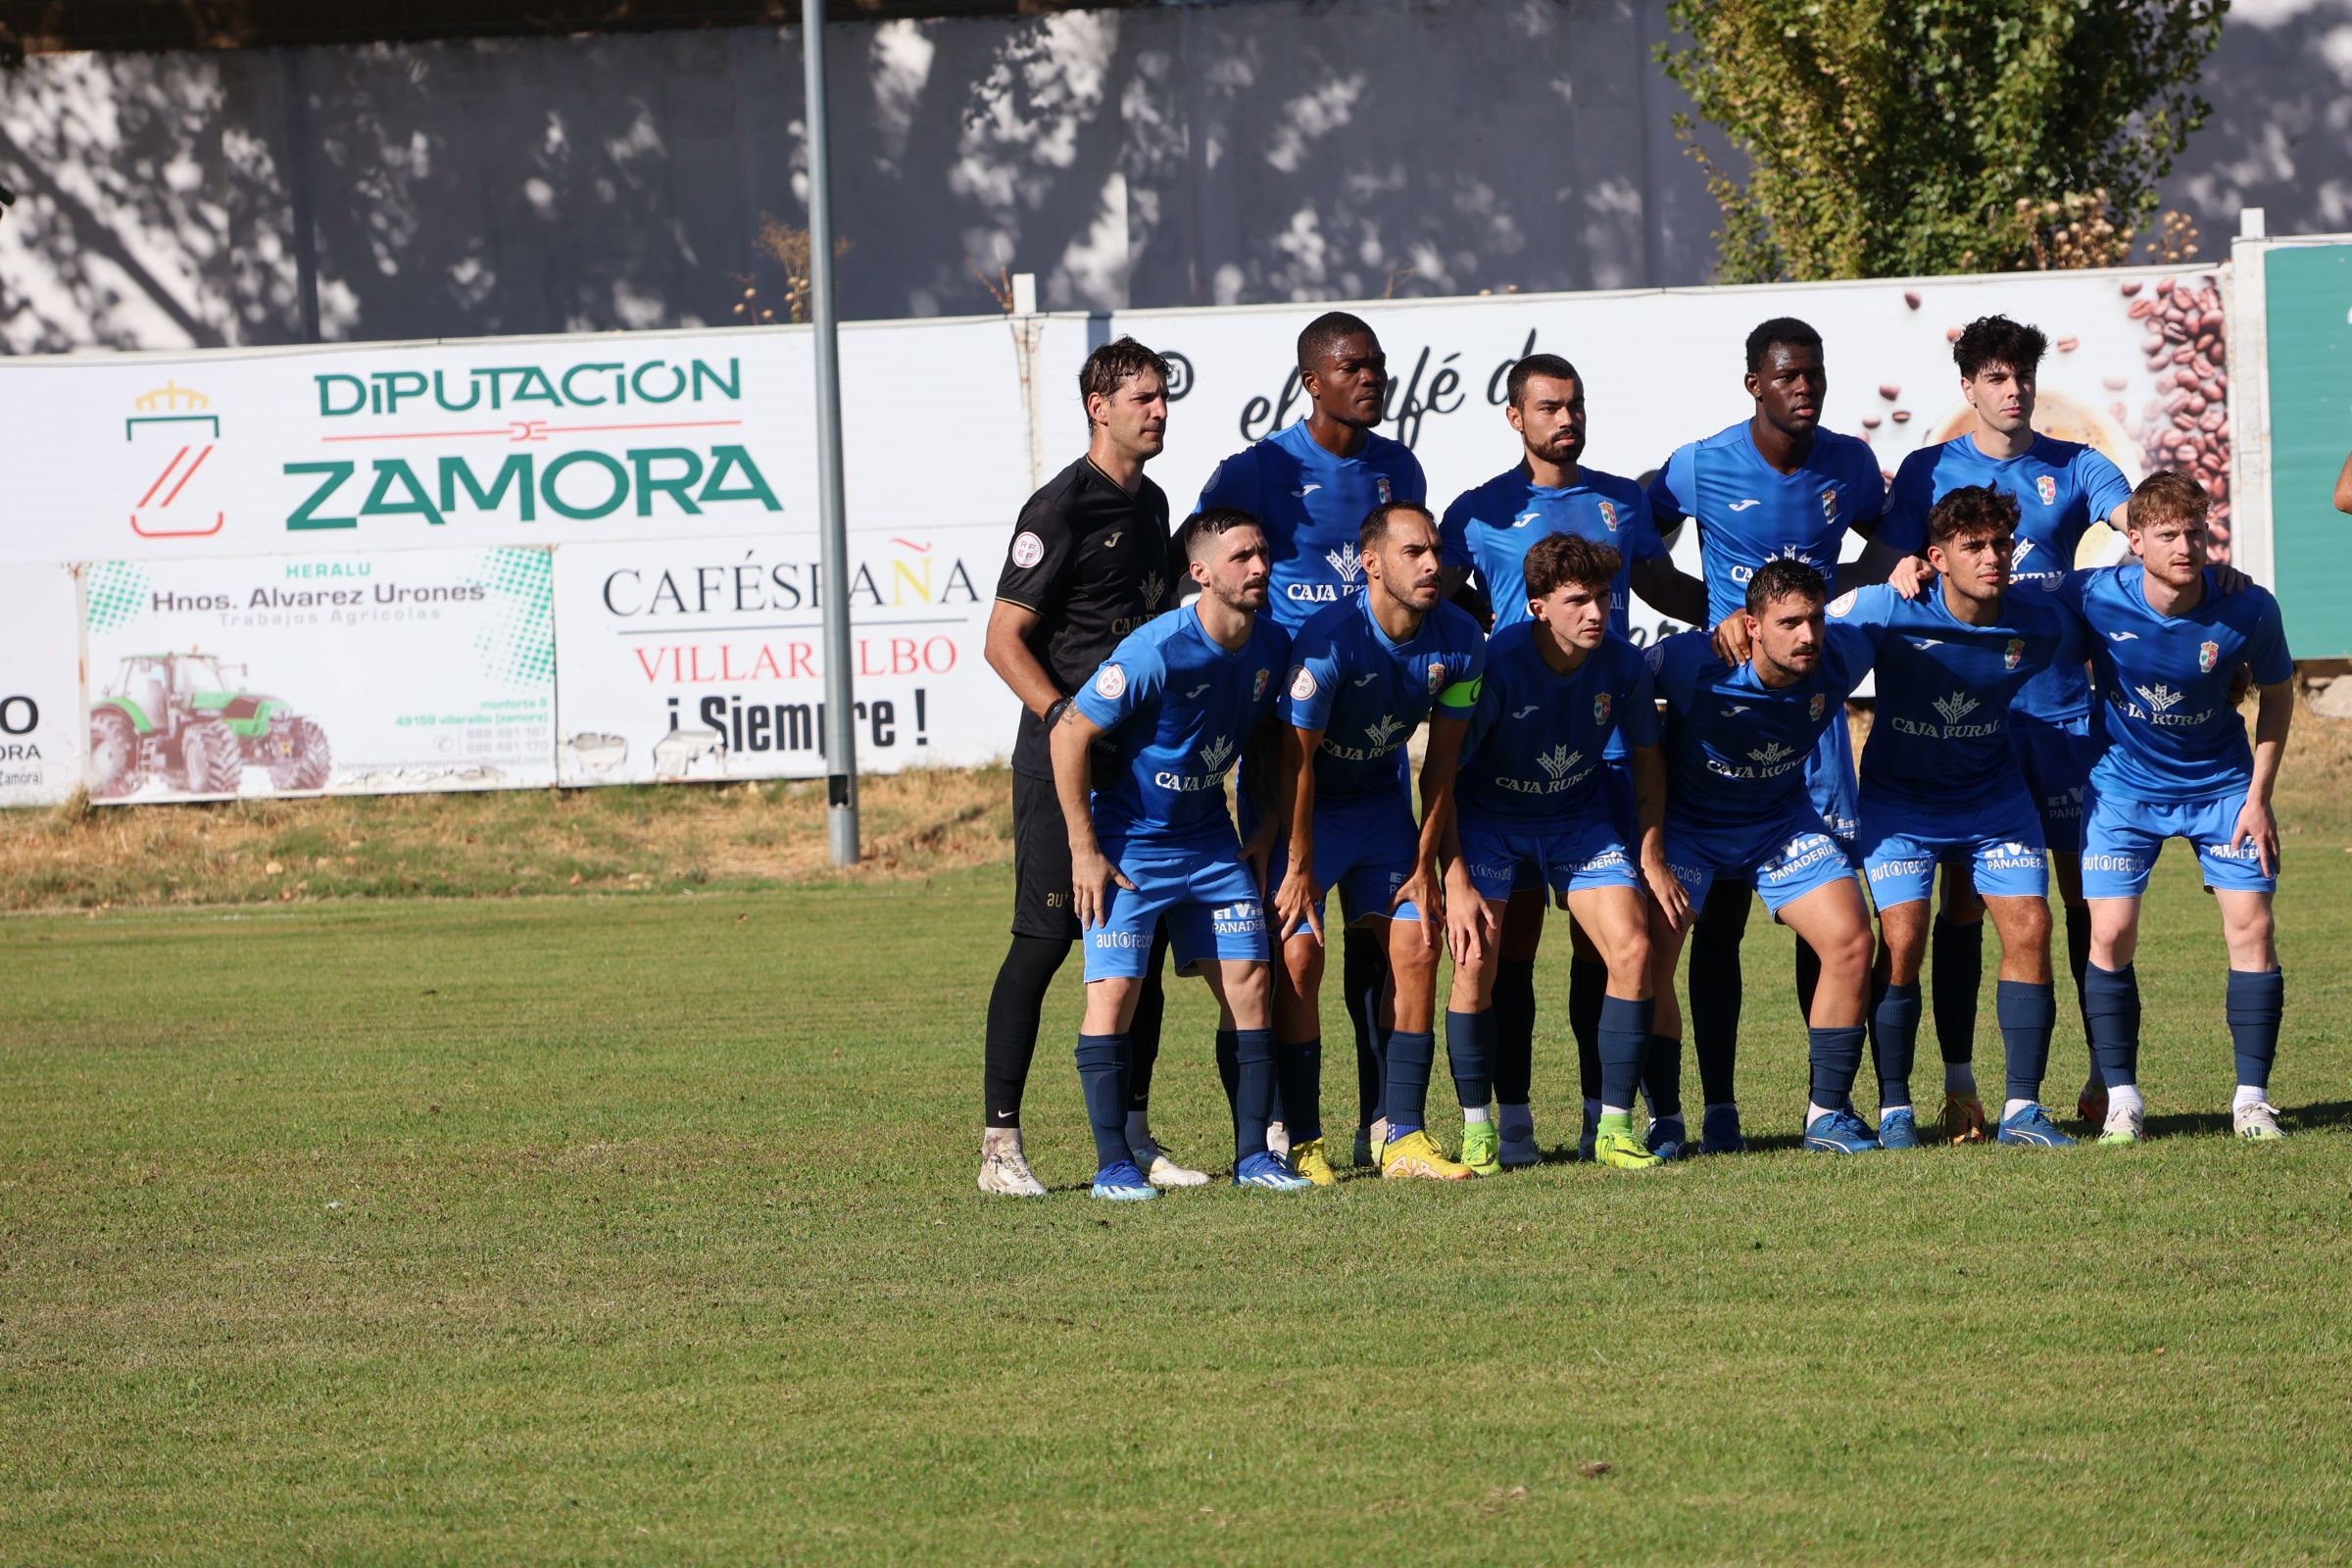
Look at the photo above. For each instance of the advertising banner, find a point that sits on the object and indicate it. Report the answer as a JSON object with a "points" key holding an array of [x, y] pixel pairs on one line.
{"points": [[2134, 369], [657, 493], [40, 686], [523, 441], [368, 674], [704, 658]]}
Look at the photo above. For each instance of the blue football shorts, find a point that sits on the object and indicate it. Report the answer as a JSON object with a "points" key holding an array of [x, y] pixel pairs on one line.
{"points": [[1207, 894], [1787, 861], [2122, 838], [1902, 841], [1501, 855], [2056, 758], [1364, 847]]}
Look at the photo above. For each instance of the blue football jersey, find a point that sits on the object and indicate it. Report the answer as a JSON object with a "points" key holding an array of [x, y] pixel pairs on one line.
{"points": [[1179, 711], [1944, 687], [1538, 737], [1368, 694], [2166, 726], [1313, 505], [1491, 529], [2061, 488], [1749, 513], [1737, 749]]}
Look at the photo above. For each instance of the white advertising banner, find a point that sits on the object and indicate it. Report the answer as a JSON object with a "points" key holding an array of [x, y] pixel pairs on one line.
{"points": [[523, 441], [365, 674], [40, 686], [1661, 368], [704, 658], [656, 491]]}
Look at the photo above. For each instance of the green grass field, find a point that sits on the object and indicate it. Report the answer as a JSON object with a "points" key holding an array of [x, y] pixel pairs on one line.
{"points": [[640, 1228]]}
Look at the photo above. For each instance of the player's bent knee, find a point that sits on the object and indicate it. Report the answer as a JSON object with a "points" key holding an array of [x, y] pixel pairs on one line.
{"points": [[1849, 952]]}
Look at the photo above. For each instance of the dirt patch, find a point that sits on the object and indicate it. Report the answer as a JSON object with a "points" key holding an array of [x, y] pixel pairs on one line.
{"points": [[492, 845]]}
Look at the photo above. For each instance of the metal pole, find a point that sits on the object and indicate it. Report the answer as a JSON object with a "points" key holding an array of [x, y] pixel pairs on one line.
{"points": [[833, 544]]}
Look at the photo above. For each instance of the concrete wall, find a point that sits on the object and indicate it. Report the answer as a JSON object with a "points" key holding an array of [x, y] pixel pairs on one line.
{"points": [[1300, 148]]}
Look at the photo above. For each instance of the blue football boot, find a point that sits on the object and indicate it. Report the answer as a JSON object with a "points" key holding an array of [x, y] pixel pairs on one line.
{"points": [[1667, 1138], [1840, 1132], [1122, 1183], [1269, 1171], [1719, 1131], [1898, 1129], [2032, 1128]]}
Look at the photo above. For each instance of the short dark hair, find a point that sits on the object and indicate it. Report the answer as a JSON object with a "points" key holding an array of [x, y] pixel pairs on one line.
{"points": [[1212, 522], [1113, 365], [1779, 331], [1535, 364], [1997, 341], [1375, 529], [1564, 557], [1971, 511], [2168, 496], [1326, 332], [1784, 577]]}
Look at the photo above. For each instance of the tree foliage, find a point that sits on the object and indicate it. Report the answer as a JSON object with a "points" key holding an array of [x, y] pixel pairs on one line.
{"points": [[1892, 137]]}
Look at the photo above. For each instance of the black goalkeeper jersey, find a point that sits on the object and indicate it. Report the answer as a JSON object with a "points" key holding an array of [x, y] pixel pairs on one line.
{"points": [[1094, 564]]}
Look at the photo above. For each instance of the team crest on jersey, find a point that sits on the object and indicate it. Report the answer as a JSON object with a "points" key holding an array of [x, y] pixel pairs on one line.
{"points": [[1027, 550], [2208, 654], [1600, 708], [1302, 683], [1437, 674], [1820, 701], [1258, 688], [2046, 488], [1110, 681], [1608, 515], [1829, 504], [1381, 484], [1844, 601], [2014, 654]]}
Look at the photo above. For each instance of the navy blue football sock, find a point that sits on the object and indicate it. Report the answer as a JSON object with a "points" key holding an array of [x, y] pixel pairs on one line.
{"points": [[1298, 1070], [1588, 992], [2077, 955], [1143, 1030], [1513, 1062], [1894, 1042], [1406, 1095], [1364, 971], [2111, 1013], [1229, 1070], [1661, 1074], [1837, 1056], [1253, 1091], [2256, 1004], [1808, 977], [1470, 1055], [2027, 1014], [1102, 1075], [1620, 1043], [1956, 959], [1715, 990]]}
